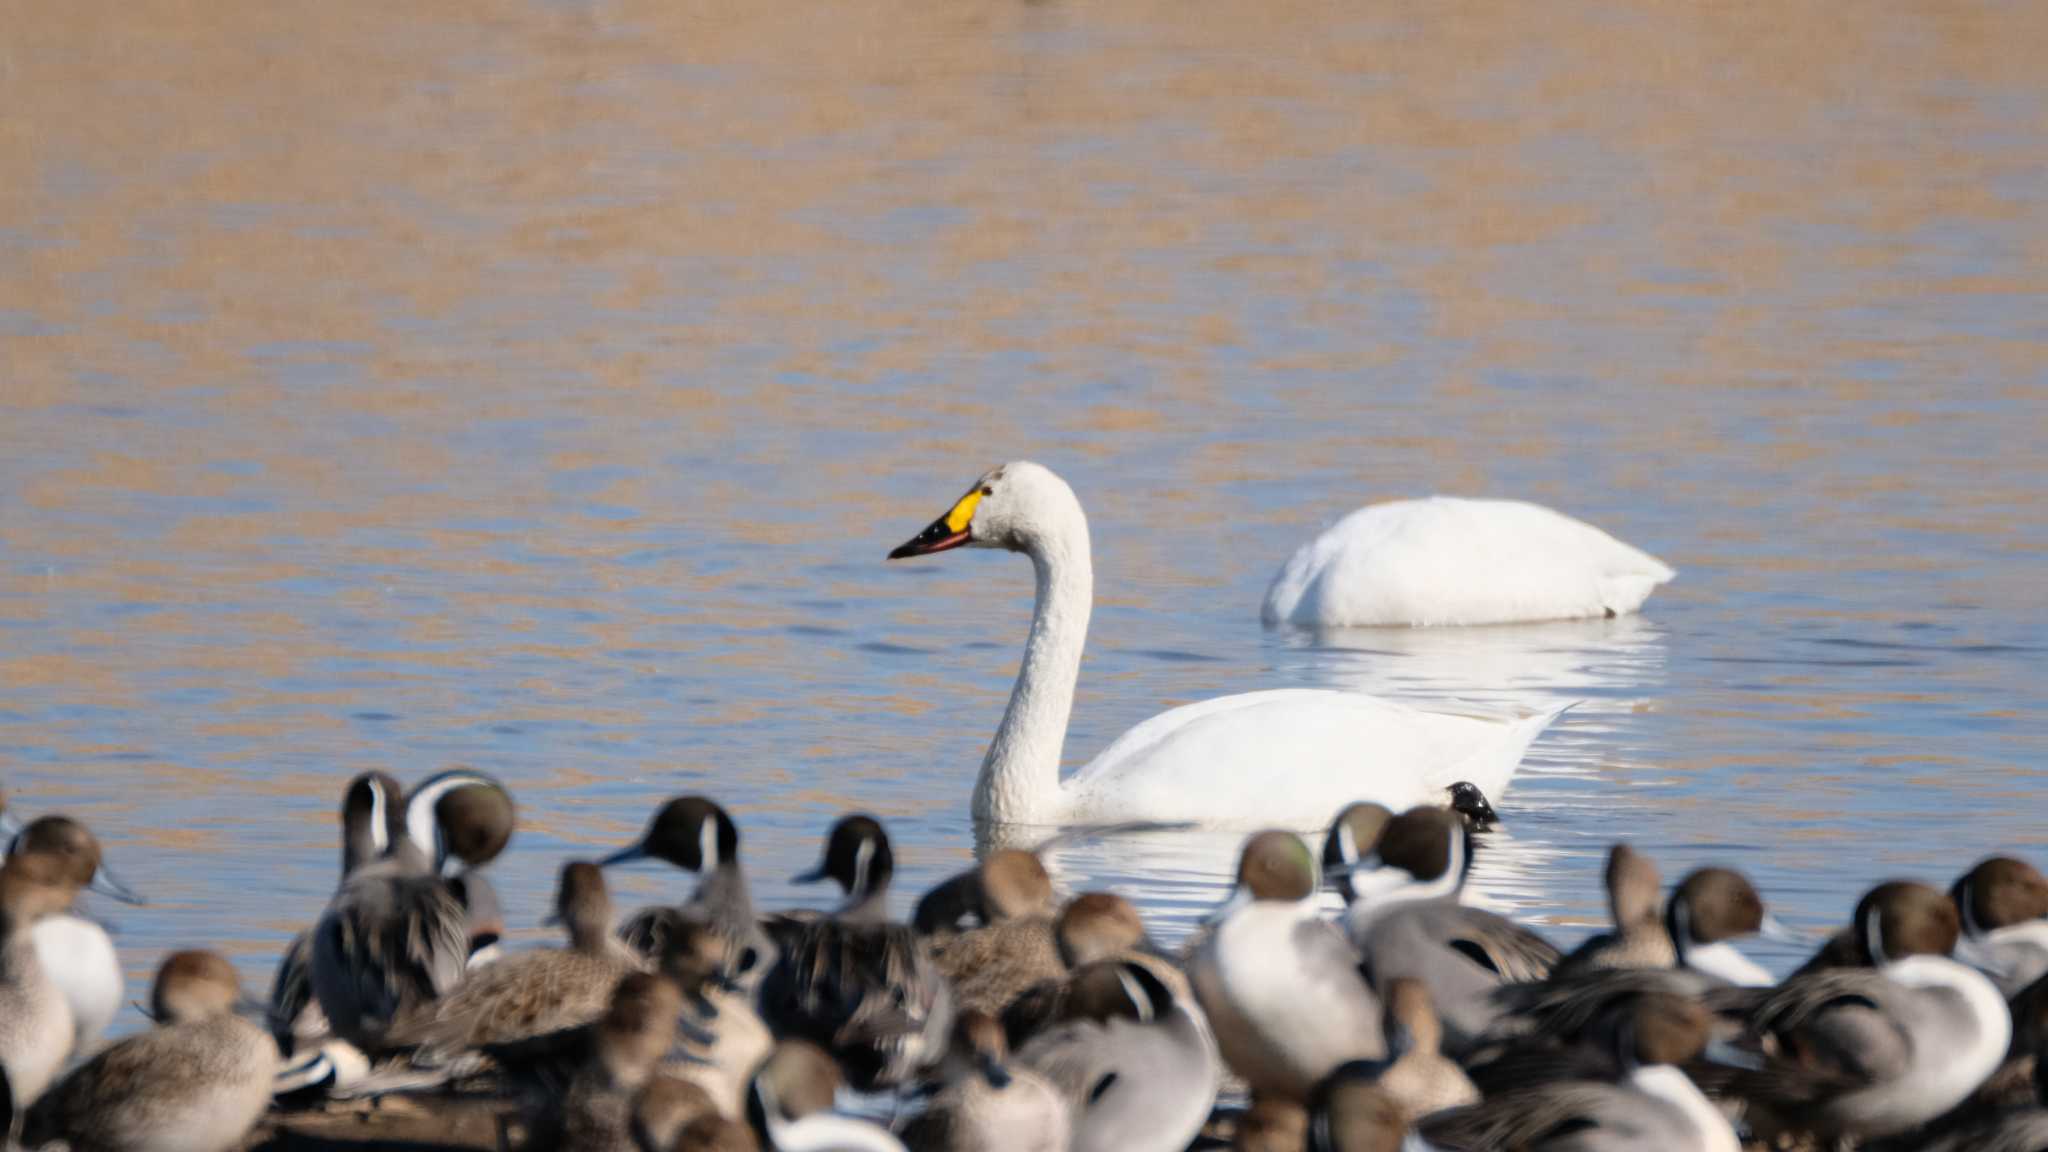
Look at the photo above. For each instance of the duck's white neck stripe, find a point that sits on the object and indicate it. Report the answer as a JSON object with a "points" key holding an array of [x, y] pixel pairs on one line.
{"points": [[422, 823], [380, 831], [707, 844], [863, 858]]}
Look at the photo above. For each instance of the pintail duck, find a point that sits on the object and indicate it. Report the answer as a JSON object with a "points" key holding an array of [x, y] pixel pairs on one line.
{"points": [[724, 1037], [395, 935], [1710, 909], [1280, 985], [1913, 919], [697, 835], [988, 1101], [790, 1106], [1011, 884], [538, 992], [1268, 1124], [36, 1027], [1653, 1105], [198, 1082], [77, 952], [1350, 1112], [597, 1112], [1639, 938], [1421, 1079], [2004, 906], [989, 967], [1093, 927], [1405, 919], [372, 816], [1137, 1066], [853, 981], [1862, 1052]]}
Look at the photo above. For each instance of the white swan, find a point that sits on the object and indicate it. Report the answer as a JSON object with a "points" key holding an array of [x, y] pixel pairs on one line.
{"points": [[1447, 560], [1286, 758]]}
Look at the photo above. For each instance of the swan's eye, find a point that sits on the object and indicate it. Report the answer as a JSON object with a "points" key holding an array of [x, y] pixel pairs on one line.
{"points": [[987, 491]]}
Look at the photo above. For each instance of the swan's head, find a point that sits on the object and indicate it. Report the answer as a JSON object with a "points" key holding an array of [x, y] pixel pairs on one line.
{"points": [[1018, 506]]}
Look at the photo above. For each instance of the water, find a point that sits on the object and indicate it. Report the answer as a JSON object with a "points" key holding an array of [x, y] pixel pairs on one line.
{"points": [[539, 389]]}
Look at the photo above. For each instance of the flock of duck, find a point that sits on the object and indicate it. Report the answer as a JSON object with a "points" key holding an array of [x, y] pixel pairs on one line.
{"points": [[1000, 1016]]}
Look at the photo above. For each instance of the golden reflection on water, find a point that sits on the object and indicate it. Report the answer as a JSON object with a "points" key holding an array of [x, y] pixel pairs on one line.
{"points": [[539, 385]]}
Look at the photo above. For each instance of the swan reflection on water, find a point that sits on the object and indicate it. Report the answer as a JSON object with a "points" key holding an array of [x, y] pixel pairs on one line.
{"points": [[1608, 665], [1179, 875]]}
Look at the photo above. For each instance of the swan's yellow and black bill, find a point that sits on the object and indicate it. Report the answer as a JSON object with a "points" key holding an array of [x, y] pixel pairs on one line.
{"points": [[948, 531]]}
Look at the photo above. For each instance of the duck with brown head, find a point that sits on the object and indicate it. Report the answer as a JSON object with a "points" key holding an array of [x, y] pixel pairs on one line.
{"points": [[1639, 938], [2003, 902], [396, 935], [1138, 1066], [1653, 1105], [1407, 920], [1279, 983], [198, 1082], [76, 951], [1867, 1052], [536, 992], [36, 1027]]}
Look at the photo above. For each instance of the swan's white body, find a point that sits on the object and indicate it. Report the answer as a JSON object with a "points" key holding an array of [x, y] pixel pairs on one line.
{"points": [[1447, 560], [1288, 758]]}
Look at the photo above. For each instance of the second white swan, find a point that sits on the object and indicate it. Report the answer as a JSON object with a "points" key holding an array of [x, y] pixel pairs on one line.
{"points": [[1285, 758]]}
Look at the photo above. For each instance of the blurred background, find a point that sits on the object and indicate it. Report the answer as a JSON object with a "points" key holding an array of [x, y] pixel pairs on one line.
{"points": [[538, 385]]}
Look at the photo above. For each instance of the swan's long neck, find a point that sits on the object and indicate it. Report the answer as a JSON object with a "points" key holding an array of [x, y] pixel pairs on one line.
{"points": [[1020, 776]]}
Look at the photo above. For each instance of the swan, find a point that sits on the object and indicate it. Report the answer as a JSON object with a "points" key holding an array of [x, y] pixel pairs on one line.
{"points": [[1287, 757], [1449, 560]]}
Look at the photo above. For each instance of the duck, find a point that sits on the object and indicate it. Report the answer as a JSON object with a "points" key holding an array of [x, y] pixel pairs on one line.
{"points": [[1858, 1053], [724, 1038], [597, 1110], [1138, 1066], [988, 1101], [1279, 984], [197, 1082], [1092, 927], [865, 987], [372, 814], [790, 1106], [76, 951], [1282, 758], [1350, 1111], [2003, 902], [1270, 1125], [1639, 938], [696, 834], [1913, 919], [1010, 884], [36, 1028], [395, 936], [665, 1107], [1405, 919], [538, 992], [1447, 560], [1016, 948], [1420, 1078], [1709, 910], [1653, 1105]]}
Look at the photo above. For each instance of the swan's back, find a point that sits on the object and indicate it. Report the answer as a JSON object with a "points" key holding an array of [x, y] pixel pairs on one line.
{"points": [[1448, 560], [1216, 762]]}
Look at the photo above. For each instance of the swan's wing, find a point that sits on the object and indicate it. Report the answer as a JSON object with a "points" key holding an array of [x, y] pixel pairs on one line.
{"points": [[1452, 561], [1294, 756]]}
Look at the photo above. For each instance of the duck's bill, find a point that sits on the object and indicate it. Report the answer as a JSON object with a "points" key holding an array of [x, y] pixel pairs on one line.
{"points": [[947, 532], [626, 855], [809, 876], [107, 884], [1729, 1055]]}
